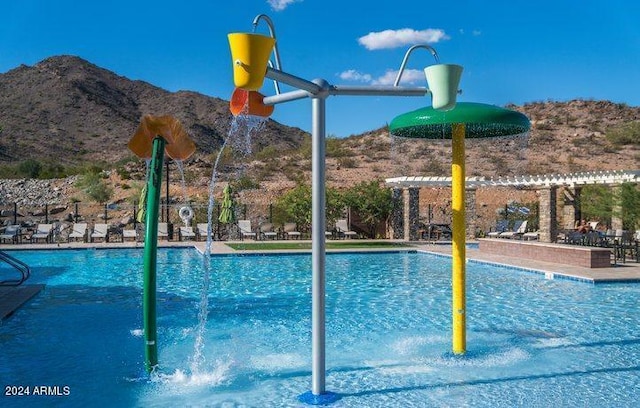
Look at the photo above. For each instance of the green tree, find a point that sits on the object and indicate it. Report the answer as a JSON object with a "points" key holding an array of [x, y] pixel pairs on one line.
{"points": [[596, 202], [295, 206], [372, 202], [629, 209]]}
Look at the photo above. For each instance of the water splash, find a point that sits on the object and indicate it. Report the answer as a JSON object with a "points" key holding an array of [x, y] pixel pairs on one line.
{"points": [[239, 139], [198, 359]]}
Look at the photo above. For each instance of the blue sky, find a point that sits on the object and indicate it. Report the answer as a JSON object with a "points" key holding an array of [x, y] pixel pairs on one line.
{"points": [[511, 51]]}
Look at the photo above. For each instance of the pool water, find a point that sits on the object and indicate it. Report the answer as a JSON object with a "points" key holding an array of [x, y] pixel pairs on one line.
{"points": [[531, 341]]}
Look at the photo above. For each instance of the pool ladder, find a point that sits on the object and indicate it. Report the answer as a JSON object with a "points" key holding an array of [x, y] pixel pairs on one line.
{"points": [[20, 266]]}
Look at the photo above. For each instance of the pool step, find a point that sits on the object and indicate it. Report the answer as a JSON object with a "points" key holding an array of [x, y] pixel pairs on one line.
{"points": [[12, 297]]}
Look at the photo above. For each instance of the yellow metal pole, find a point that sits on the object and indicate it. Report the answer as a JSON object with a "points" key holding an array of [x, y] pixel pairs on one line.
{"points": [[458, 247]]}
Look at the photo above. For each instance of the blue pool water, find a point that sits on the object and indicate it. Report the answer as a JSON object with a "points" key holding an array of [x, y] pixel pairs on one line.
{"points": [[531, 342]]}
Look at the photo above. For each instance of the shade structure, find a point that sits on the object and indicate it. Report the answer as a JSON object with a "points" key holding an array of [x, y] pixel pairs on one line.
{"points": [[178, 144], [481, 120]]}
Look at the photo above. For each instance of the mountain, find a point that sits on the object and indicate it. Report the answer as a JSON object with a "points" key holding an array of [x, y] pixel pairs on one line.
{"points": [[66, 110]]}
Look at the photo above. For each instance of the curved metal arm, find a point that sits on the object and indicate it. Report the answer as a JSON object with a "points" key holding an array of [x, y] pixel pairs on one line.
{"points": [[276, 54], [406, 57]]}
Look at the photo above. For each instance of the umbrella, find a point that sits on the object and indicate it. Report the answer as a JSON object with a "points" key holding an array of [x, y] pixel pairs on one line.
{"points": [[227, 213]]}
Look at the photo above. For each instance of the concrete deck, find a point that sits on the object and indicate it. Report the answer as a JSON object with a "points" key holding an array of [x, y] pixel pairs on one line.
{"points": [[626, 272]]}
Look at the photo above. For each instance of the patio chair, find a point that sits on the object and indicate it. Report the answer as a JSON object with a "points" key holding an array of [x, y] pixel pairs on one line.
{"points": [[100, 231], [186, 233], [78, 231], [531, 236], [43, 231], [501, 226], [266, 231], [245, 229], [131, 234], [343, 231], [519, 228], [290, 231], [163, 230], [11, 233], [201, 231]]}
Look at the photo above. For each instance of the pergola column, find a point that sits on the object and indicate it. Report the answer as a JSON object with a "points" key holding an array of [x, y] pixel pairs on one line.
{"points": [[571, 211], [471, 217], [548, 217], [396, 224], [411, 213]]}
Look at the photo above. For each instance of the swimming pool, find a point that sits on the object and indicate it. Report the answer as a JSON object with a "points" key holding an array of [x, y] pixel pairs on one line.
{"points": [[531, 341]]}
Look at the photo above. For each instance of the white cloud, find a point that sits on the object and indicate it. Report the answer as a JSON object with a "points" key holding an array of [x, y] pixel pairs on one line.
{"points": [[409, 76], [398, 38], [279, 5], [353, 75]]}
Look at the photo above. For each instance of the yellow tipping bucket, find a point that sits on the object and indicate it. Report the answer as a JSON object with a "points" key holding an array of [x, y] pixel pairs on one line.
{"points": [[250, 55], [443, 80]]}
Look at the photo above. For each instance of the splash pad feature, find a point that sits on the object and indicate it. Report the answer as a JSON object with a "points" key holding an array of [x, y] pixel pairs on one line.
{"points": [[250, 57], [475, 120], [154, 136]]}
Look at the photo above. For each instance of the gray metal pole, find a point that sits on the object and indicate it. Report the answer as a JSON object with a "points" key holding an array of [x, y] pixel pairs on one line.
{"points": [[318, 246]]}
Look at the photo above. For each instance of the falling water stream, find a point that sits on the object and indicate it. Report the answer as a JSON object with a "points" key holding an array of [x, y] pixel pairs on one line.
{"points": [[239, 139]]}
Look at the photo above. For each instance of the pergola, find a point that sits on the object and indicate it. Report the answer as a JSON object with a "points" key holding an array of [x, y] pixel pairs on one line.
{"points": [[406, 189]]}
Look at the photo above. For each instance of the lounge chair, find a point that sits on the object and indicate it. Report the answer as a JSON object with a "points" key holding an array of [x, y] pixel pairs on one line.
{"points": [[43, 231], [266, 231], [130, 234], [78, 231], [342, 228], [11, 233], [201, 231], [186, 233], [245, 229], [163, 230], [519, 228], [100, 231], [531, 236], [290, 231], [501, 226]]}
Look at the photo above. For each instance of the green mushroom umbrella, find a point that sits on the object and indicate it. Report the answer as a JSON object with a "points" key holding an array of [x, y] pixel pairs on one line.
{"points": [[227, 213]]}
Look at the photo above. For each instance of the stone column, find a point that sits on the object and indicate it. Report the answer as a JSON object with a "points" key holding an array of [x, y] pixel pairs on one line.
{"points": [[548, 217], [571, 211], [616, 221], [396, 224], [411, 213], [470, 213]]}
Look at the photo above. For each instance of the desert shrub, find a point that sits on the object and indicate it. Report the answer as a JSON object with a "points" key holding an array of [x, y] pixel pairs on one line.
{"points": [[334, 148], [245, 183], [624, 134], [30, 168], [347, 162], [94, 186]]}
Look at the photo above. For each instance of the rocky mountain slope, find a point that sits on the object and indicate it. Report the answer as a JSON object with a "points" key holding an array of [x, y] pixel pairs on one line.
{"points": [[67, 110]]}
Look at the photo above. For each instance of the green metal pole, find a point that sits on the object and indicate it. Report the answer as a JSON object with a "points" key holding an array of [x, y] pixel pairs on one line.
{"points": [[150, 254]]}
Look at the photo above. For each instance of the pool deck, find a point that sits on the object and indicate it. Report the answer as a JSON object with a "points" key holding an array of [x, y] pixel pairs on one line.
{"points": [[11, 298]]}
